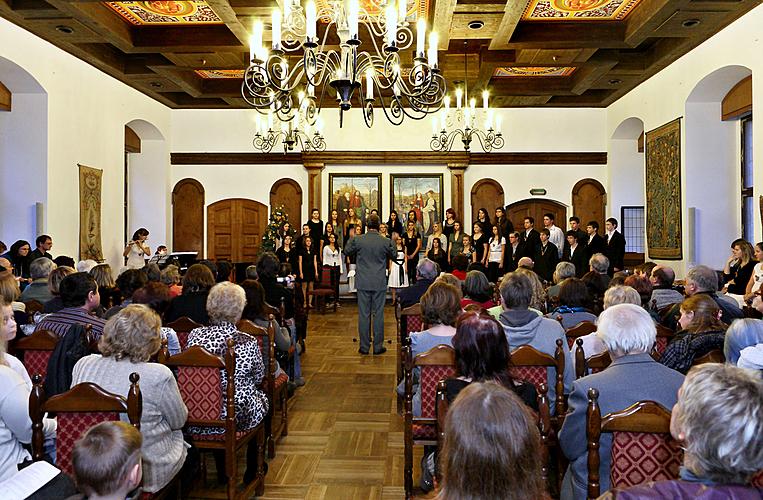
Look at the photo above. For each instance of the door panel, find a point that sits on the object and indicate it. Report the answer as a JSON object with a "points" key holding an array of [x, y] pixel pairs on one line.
{"points": [[589, 201], [288, 193], [535, 208], [188, 217], [486, 194], [235, 229]]}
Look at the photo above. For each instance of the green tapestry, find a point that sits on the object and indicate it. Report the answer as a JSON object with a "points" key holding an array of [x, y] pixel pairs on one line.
{"points": [[663, 191]]}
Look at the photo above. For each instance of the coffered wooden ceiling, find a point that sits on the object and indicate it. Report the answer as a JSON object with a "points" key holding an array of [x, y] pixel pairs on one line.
{"points": [[561, 53]]}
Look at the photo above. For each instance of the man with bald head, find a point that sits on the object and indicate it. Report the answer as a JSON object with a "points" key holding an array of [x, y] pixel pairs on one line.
{"points": [[526, 262], [663, 293]]}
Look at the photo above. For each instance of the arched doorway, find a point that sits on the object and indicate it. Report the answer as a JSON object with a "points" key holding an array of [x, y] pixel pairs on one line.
{"points": [[487, 194], [188, 217], [589, 202], [535, 208], [288, 193], [234, 229]]}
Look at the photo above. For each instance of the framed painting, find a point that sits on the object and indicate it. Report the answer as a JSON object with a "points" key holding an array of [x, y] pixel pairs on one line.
{"points": [[663, 192], [421, 194], [354, 196]]}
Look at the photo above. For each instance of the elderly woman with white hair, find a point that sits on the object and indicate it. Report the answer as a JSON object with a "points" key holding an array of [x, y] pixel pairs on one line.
{"points": [[628, 332], [743, 343], [225, 305], [719, 420]]}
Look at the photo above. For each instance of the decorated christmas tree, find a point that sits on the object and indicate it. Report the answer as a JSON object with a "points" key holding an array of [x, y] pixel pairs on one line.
{"points": [[273, 232]]}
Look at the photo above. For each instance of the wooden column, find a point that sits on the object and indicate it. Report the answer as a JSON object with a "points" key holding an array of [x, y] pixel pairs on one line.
{"points": [[457, 188], [314, 185]]}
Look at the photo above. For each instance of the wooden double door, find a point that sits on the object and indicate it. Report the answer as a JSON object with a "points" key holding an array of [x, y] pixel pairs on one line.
{"points": [[234, 229], [535, 208]]}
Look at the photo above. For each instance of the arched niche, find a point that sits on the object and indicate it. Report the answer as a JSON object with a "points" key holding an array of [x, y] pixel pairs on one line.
{"points": [[147, 183], [188, 217], [711, 169], [487, 194], [23, 156], [625, 181], [288, 193]]}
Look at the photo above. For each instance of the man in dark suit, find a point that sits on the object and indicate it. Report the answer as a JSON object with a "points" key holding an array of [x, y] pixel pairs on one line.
{"points": [[529, 238], [582, 237], [513, 252], [594, 243], [44, 243], [615, 246], [371, 251], [575, 253], [628, 332]]}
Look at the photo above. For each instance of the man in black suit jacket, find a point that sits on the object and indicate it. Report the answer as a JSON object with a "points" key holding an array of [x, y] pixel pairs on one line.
{"points": [[595, 243], [575, 253], [615, 246], [581, 235], [529, 238], [513, 253]]}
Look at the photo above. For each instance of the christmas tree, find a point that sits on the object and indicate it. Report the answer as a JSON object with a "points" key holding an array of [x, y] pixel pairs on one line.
{"points": [[273, 232]]}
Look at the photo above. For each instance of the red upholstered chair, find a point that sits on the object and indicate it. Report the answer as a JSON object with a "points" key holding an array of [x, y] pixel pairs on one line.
{"points": [[582, 328], [33, 306], [529, 364], [409, 320], [593, 364], [642, 448], [35, 351], [436, 364], [77, 410], [664, 336], [199, 376], [275, 387], [183, 327]]}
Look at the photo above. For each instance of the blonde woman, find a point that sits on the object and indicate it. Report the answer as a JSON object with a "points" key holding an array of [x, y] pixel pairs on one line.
{"points": [[437, 234], [738, 269]]}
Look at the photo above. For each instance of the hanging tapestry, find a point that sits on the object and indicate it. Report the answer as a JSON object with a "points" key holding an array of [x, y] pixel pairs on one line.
{"points": [[663, 191], [90, 213]]}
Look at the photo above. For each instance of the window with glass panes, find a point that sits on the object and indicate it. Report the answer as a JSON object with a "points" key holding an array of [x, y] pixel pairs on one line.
{"points": [[633, 228]]}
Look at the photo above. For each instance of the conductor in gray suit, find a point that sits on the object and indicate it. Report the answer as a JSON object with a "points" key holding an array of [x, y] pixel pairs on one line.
{"points": [[372, 251]]}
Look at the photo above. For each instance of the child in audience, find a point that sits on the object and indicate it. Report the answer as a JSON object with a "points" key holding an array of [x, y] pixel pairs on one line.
{"points": [[107, 461]]}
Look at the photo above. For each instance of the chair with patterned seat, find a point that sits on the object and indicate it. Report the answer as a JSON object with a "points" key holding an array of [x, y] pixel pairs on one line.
{"points": [[642, 447], [664, 336], [275, 387], [579, 330], [436, 364], [531, 365], [410, 321], [35, 351], [78, 409], [200, 380], [183, 326], [588, 365]]}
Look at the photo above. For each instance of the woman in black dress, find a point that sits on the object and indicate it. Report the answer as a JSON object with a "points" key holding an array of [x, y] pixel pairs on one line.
{"points": [[393, 224], [480, 244], [287, 254], [412, 242], [437, 254], [450, 221], [483, 219], [308, 267], [739, 267]]}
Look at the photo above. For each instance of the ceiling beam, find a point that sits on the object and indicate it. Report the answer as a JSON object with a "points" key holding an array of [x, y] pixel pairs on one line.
{"points": [[185, 39], [531, 86], [589, 73], [443, 17], [649, 15], [568, 35], [512, 13], [226, 13], [100, 19], [489, 61]]}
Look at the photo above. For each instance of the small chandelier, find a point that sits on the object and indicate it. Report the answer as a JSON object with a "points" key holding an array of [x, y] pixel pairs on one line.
{"points": [[463, 123], [272, 87], [290, 135]]}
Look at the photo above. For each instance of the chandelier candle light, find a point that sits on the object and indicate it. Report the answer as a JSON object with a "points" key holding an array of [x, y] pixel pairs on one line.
{"points": [[287, 93]]}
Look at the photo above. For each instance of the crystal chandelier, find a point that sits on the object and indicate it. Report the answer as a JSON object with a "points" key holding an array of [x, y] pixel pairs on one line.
{"points": [[463, 122], [320, 71]]}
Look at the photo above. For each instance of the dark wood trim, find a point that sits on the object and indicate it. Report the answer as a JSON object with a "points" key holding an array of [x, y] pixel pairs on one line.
{"points": [[132, 141], [391, 158], [738, 102], [5, 98]]}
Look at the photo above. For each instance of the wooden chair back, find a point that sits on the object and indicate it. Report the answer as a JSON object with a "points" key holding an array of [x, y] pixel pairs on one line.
{"points": [[714, 356], [183, 327], [35, 351], [410, 321], [594, 364], [579, 330], [664, 336], [77, 410], [33, 306], [642, 447], [531, 365]]}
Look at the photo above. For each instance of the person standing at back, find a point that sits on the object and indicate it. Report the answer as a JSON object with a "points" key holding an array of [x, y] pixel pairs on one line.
{"points": [[371, 251]]}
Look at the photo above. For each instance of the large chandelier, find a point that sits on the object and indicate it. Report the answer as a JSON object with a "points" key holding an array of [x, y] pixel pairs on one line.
{"points": [[463, 123], [286, 89]]}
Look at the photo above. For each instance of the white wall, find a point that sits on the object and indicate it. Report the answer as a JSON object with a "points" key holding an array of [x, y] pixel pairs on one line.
{"points": [[150, 192], [664, 97], [86, 114]]}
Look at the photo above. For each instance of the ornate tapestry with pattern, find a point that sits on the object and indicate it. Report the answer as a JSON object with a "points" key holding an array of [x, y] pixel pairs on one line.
{"points": [[90, 213], [663, 191]]}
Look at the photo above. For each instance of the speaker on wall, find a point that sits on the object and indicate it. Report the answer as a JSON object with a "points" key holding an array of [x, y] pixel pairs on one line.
{"points": [[691, 224], [39, 214]]}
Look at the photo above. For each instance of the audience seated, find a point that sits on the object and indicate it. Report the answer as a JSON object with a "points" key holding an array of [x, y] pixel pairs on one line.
{"points": [[525, 263], [54, 282], [702, 280], [18, 256], [619, 278], [701, 332], [84, 266], [663, 293], [10, 293], [43, 243], [596, 279], [629, 333], [575, 304], [268, 267], [127, 282], [426, 272], [38, 290], [440, 308], [171, 278], [157, 297], [719, 419], [491, 448], [107, 461], [64, 260], [107, 287], [751, 358], [192, 302], [644, 288], [738, 270], [460, 264], [79, 293], [538, 301], [742, 334], [524, 327], [752, 291], [130, 339], [225, 304], [563, 271], [477, 290], [153, 273], [451, 279]]}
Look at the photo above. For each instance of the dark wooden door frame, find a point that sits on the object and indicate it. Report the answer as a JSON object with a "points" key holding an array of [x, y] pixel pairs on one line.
{"points": [[198, 185]]}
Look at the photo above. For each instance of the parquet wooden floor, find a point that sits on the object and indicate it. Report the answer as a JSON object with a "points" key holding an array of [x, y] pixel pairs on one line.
{"points": [[345, 437]]}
